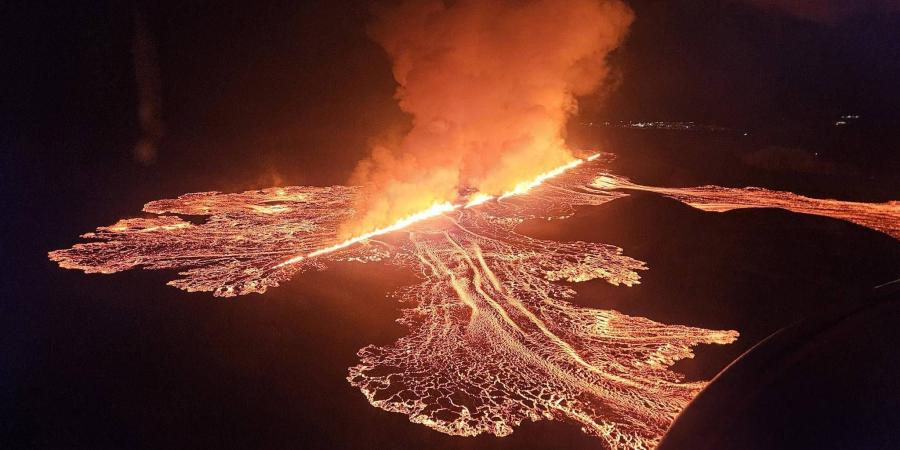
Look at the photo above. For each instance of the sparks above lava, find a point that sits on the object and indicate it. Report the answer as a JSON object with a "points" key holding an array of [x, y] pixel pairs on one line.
{"points": [[493, 337]]}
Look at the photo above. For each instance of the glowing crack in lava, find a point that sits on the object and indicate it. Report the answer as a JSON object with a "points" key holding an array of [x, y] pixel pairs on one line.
{"points": [[493, 338]]}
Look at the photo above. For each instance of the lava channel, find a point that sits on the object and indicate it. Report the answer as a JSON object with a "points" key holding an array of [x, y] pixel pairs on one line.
{"points": [[494, 338]]}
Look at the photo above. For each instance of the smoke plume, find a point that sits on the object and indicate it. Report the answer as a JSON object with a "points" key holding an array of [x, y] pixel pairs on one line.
{"points": [[489, 86], [147, 80]]}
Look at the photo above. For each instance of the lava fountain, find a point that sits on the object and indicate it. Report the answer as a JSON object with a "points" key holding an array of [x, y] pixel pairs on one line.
{"points": [[494, 339]]}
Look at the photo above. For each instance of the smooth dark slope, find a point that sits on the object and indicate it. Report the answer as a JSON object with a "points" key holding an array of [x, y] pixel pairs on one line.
{"points": [[831, 381]]}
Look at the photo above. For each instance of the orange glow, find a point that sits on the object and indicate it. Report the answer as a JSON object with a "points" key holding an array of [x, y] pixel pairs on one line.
{"points": [[436, 210], [493, 339], [884, 217], [477, 199], [524, 187], [489, 87]]}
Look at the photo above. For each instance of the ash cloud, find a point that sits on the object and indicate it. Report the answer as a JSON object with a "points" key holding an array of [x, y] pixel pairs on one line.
{"points": [[489, 86]]}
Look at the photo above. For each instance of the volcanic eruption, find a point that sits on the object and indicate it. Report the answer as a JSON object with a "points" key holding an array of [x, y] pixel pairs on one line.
{"points": [[488, 86], [494, 338]]}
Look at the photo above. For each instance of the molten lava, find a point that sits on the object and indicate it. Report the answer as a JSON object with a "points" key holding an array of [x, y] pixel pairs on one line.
{"points": [[435, 210], [494, 339], [438, 209], [884, 217]]}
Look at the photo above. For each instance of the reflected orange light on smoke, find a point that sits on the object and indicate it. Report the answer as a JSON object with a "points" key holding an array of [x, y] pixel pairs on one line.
{"points": [[489, 87]]}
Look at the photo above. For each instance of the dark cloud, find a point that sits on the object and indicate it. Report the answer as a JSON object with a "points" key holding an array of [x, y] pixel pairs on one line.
{"points": [[827, 11]]}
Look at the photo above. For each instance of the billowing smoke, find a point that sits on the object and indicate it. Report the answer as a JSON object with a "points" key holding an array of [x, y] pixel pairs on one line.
{"points": [[489, 86]]}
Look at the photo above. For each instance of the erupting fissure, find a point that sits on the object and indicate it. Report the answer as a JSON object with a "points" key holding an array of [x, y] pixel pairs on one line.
{"points": [[440, 208], [488, 86], [494, 338]]}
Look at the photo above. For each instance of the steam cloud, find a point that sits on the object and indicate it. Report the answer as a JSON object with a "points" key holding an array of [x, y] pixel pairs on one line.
{"points": [[489, 86]]}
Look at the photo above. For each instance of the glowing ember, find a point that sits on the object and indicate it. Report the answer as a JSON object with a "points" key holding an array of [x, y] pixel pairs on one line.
{"points": [[493, 338]]}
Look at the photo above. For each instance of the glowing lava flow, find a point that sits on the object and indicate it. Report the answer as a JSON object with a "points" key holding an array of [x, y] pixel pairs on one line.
{"points": [[883, 217], [438, 209], [494, 339], [524, 187]]}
